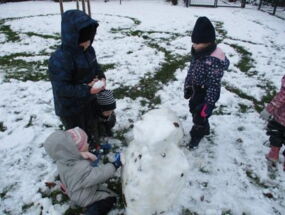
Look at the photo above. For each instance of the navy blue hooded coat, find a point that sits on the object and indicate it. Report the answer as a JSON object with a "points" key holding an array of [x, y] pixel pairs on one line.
{"points": [[71, 68]]}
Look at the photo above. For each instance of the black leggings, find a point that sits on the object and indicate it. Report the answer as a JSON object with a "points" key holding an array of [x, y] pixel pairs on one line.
{"points": [[276, 131], [101, 207]]}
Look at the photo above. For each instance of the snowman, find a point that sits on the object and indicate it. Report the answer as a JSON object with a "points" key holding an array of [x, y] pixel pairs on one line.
{"points": [[155, 167]]}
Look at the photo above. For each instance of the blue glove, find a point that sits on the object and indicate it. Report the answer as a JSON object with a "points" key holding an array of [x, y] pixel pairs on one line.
{"points": [[117, 163]]}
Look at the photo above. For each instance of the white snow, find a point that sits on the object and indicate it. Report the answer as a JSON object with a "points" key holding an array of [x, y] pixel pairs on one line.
{"points": [[227, 174]]}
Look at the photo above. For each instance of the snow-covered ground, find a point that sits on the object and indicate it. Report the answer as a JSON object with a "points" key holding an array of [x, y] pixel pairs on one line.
{"points": [[142, 42]]}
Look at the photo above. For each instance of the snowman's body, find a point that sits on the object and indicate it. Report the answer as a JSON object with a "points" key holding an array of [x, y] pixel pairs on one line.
{"points": [[154, 165]]}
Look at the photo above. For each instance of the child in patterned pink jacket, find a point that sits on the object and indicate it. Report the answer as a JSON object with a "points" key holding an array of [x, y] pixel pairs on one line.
{"points": [[276, 126]]}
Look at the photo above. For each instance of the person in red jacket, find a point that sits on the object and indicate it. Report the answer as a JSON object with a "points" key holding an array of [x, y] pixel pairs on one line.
{"points": [[276, 125]]}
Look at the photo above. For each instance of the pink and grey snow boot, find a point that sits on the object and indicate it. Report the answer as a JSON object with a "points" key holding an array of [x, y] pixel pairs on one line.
{"points": [[273, 154]]}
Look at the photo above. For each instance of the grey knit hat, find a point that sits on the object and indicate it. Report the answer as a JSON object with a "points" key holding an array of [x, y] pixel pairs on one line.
{"points": [[106, 101]]}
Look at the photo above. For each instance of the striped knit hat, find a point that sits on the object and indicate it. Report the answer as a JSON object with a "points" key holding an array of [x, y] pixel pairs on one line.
{"points": [[106, 101], [79, 136]]}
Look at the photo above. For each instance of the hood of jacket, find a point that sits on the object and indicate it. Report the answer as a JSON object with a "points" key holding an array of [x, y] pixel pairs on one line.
{"points": [[61, 148], [72, 22]]}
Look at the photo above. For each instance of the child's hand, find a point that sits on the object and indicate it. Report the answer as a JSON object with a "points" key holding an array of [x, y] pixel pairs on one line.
{"points": [[117, 160], [88, 156]]}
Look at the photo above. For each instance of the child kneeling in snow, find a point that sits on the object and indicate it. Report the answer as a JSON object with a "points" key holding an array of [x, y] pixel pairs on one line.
{"points": [[276, 126], [82, 181], [203, 81]]}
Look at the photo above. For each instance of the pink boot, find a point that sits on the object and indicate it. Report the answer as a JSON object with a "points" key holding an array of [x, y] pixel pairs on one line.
{"points": [[273, 155]]}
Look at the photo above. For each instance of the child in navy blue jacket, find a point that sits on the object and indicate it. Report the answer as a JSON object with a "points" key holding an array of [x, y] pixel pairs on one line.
{"points": [[203, 81]]}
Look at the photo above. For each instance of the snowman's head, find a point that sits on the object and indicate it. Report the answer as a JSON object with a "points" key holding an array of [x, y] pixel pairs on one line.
{"points": [[158, 128]]}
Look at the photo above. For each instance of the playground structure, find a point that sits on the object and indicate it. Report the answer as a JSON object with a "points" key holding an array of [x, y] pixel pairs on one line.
{"points": [[84, 7], [273, 7], [215, 3]]}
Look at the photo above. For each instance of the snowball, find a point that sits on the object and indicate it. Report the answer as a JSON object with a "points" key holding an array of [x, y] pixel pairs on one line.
{"points": [[98, 84]]}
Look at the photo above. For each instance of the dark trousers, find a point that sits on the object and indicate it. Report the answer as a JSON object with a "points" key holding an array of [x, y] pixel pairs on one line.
{"points": [[276, 131], [201, 126], [101, 207]]}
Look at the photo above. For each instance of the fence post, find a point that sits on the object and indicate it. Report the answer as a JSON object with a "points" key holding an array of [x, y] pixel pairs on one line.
{"points": [[243, 2], [260, 3], [89, 9], [275, 7], [61, 6], [77, 4], [83, 5]]}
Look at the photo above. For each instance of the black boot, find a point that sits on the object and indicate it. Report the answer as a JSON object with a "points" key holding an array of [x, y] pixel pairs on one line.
{"points": [[194, 142]]}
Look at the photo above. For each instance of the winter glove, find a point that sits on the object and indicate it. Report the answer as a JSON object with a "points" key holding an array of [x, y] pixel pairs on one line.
{"points": [[117, 160], [188, 92], [102, 149], [265, 115], [206, 110]]}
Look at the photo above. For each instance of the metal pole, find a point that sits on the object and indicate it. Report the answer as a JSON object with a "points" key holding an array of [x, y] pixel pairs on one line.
{"points": [[260, 3], [77, 4], [243, 2], [216, 3], [61, 6], [275, 7], [89, 9], [83, 5], [120, 1]]}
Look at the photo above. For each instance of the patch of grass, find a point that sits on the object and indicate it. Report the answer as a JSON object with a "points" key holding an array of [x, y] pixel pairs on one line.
{"points": [[73, 211], [45, 36], [6, 190], [11, 36], [221, 31], [186, 211], [56, 196], [116, 185], [2, 127], [258, 106], [227, 212], [254, 179], [21, 70], [271, 92], [246, 62], [25, 207], [120, 135], [243, 108], [30, 123], [106, 67], [151, 83]]}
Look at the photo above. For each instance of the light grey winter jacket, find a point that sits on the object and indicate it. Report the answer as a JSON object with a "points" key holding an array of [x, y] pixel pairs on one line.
{"points": [[80, 178]]}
